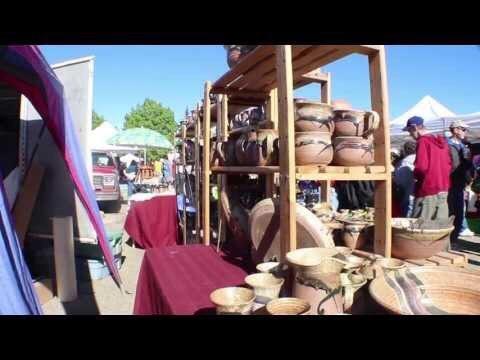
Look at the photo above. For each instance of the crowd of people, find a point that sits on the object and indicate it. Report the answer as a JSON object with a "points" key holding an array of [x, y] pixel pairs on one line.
{"points": [[130, 173], [432, 176]]}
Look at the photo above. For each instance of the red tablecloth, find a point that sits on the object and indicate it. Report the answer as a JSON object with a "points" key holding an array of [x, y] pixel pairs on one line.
{"points": [[178, 280], [154, 222]]}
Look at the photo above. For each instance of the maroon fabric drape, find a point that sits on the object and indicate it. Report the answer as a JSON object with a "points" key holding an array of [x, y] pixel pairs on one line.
{"points": [[178, 280], [154, 222]]}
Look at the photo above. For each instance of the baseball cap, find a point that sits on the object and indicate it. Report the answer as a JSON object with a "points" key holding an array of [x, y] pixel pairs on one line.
{"points": [[458, 124], [413, 121]]}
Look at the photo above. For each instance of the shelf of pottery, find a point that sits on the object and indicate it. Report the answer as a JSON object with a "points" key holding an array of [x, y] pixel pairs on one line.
{"points": [[298, 139]]}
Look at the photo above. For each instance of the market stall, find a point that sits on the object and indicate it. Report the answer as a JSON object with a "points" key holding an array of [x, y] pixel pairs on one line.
{"points": [[309, 259]]}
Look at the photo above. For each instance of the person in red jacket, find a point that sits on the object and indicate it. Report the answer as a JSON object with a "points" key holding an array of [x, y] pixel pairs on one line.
{"points": [[432, 172]]}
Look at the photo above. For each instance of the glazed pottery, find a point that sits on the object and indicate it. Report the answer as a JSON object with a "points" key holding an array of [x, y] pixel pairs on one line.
{"points": [[319, 299], [355, 123], [262, 148], [241, 147], [266, 286], [428, 290], [288, 306], [355, 235], [264, 225], [268, 267], [353, 151], [233, 300], [316, 264], [313, 148], [412, 243], [313, 116]]}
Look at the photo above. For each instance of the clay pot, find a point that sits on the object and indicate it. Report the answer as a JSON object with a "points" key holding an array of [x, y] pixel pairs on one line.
{"points": [[313, 148], [266, 286], [288, 306], [241, 147], [355, 235], [317, 298], [229, 152], [353, 151], [313, 116], [233, 300], [408, 243], [355, 123], [262, 148], [428, 290]]}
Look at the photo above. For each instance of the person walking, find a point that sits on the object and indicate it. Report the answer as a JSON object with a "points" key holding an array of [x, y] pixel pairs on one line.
{"points": [[404, 179], [461, 176], [431, 172]]}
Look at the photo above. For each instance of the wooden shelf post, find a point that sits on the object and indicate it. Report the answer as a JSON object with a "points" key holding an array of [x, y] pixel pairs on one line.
{"points": [[206, 164], [184, 165], [222, 137], [197, 175], [383, 193], [287, 155], [326, 90], [272, 116]]}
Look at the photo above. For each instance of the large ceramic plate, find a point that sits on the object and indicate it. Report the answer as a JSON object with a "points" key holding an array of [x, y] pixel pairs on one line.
{"points": [[429, 290], [264, 225]]}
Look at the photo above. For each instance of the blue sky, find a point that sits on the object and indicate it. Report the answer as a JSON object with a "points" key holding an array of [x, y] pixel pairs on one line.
{"points": [[174, 75]]}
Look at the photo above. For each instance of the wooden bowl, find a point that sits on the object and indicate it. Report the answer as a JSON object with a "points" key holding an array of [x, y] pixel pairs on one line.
{"points": [[233, 300], [428, 290], [288, 306]]}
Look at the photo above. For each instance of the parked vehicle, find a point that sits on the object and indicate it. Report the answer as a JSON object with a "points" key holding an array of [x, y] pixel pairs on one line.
{"points": [[105, 181]]}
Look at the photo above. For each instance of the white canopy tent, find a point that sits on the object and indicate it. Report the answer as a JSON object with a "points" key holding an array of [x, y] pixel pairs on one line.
{"points": [[101, 134], [433, 112]]}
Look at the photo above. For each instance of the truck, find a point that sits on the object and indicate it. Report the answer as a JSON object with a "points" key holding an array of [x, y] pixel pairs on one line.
{"points": [[106, 181]]}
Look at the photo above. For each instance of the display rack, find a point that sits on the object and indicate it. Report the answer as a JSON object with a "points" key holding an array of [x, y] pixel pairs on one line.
{"points": [[269, 74]]}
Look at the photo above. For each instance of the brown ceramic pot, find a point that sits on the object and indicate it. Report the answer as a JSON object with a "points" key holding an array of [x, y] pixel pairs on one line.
{"points": [[313, 148], [404, 248], [355, 123], [262, 148], [353, 151], [241, 147], [313, 116], [229, 152], [316, 297], [355, 236]]}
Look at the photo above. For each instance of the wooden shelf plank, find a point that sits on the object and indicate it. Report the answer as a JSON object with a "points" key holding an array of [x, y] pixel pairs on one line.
{"points": [[314, 169], [341, 177], [256, 73], [245, 169]]}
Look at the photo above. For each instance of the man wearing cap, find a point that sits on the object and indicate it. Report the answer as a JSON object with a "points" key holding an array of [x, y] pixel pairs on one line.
{"points": [[461, 176], [432, 172]]}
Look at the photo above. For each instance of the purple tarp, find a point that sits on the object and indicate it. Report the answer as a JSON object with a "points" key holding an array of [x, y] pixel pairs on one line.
{"points": [[25, 69]]}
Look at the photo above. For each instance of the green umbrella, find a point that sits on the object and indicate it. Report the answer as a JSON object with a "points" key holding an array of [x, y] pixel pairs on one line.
{"points": [[142, 138]]}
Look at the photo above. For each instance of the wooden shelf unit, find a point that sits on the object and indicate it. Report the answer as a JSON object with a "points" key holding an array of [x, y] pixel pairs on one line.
{"points": [[272, 73]]}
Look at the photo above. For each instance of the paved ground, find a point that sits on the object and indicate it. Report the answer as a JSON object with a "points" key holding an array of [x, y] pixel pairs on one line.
{"points": [[103, 296]]}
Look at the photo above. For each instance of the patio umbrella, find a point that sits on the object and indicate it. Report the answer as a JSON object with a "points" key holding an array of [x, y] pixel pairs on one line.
{"points": [[142, 138]]}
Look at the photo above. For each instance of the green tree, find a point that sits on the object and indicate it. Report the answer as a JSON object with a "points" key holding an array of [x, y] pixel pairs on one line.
{"points": [[152, 115], [97, 120]]}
